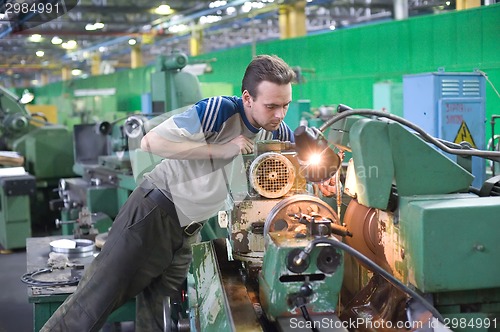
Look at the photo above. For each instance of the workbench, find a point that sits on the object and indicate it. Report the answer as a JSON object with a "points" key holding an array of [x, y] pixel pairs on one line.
{"points": [[45, 299]]}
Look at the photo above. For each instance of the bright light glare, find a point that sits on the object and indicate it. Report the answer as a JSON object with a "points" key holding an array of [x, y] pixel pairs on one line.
{"points": [[217, 3], [69, 45], [209, 19], [90, 27], [56, 40], [163, 10], [178, 28], [35, 38], [314, 159], [39, 53]]}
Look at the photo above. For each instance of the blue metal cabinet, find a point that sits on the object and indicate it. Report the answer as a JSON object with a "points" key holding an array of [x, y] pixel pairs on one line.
{"points": [[450, 106]]}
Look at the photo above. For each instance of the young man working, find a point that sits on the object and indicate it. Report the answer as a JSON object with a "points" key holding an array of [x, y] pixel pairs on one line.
{"points": [[148, 250]]}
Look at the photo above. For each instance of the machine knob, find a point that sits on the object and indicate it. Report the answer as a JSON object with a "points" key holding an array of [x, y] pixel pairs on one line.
{"points": [[328, 260], [296, 266], [104, 128], [134, 126], [16, 122]]}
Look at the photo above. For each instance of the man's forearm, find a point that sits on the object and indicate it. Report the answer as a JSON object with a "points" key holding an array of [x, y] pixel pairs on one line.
{"points": [[162, 147]]}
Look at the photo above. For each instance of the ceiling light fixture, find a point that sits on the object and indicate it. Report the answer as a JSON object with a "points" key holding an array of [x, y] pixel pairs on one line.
{"points": [[217, 3], [39, 53], [178, 28], [90, 27], [96, 26], [132, 41], [56, 40], [69, 45], [163, 10], [35, 38]]}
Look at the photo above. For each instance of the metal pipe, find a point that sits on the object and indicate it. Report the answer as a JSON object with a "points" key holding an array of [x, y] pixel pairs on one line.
{"points": [[492, 122]]}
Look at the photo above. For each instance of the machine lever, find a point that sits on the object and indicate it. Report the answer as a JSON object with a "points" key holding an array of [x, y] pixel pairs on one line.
{"points": [[340, 230]]}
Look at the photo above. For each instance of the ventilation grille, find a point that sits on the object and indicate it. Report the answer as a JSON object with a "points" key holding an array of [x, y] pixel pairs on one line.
{"points": [[272, 175], [460, 88]]}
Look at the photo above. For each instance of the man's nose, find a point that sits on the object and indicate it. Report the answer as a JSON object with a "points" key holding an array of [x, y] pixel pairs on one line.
{"points": [[280, 112]]}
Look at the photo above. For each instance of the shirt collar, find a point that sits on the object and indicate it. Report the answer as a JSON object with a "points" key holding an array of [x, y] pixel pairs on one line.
{"points": [[245, 119]]}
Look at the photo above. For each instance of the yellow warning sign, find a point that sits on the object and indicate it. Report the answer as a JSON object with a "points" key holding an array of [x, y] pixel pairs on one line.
{"points": [[464, 135]]}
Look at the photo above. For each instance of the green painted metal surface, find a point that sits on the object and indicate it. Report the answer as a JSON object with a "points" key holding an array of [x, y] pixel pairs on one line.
{"points": [[103, 199], [16, 192], [372, 155], [451, 244], [15, 220], [48, 152], [420, 169], [385, 152], [44, 307], [213, 310], [278, 286]]}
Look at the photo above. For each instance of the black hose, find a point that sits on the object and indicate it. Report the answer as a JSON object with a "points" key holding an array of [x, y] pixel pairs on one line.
{"points": [[368, 262], [493, 155]]}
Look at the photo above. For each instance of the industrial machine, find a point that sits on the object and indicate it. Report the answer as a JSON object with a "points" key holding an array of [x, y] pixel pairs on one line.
{"points": [[412, 245], [108, 159], [273, 219], [411, 212], [45, 151]]}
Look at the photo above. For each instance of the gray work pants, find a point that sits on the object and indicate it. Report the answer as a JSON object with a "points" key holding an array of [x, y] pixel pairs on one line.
{"points": [[146, 253]]}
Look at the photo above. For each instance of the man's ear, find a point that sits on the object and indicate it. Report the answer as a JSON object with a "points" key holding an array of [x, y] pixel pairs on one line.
{"points": [[247, 98]]}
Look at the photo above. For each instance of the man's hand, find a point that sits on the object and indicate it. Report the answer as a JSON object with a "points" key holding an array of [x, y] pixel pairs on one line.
{"points": [[329, 188], [242, 143]]}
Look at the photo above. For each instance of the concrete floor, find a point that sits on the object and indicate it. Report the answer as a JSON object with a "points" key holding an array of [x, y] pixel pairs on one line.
{"points": [[16, 313]]}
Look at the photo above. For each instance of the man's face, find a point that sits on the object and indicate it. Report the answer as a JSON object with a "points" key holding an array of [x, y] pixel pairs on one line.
{"points": [[269, 107]]}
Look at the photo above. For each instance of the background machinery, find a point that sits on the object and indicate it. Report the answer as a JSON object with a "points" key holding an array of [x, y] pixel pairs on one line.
{"points": [[45, 151], [108, 159]]}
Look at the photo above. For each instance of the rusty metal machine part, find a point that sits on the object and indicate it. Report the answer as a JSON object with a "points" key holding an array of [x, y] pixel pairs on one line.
{"points": [[287, 214], [272, 175], [362, 222]]}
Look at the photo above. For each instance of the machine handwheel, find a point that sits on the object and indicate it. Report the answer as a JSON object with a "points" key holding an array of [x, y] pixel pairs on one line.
{"points": [[286, 214]]}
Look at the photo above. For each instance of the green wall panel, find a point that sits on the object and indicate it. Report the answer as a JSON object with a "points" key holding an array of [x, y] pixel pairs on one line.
{"points": [[468, 44], [421, 44], [346, 62], [490, 24], [444, 48]]}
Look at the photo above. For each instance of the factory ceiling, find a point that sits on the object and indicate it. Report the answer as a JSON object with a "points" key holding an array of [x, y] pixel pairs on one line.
{"points": [[39, 37]]}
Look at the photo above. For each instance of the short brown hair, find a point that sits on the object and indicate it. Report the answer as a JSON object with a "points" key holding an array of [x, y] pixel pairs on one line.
{"points": [[269, 68]]}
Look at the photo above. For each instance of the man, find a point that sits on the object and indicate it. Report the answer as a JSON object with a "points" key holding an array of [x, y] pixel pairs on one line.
{"points": [[148, 250]]}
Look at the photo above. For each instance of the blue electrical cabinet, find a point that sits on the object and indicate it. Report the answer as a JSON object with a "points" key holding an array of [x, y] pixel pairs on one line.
{"points": [[450, 106]]}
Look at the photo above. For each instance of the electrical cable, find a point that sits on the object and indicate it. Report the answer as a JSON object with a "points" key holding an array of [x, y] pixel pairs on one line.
{"points": [[368, 262], [306, 316], [487, 79], [29, 278], [493, 155]]}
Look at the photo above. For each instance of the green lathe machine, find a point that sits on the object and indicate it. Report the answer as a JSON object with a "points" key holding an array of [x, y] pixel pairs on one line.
{"points": [[408, 243], [45, 152]]}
